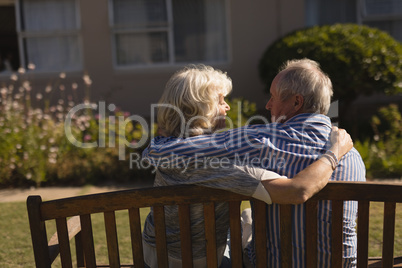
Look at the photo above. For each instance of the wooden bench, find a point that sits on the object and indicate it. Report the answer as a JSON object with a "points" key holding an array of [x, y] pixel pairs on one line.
{"points": [[73, 220]]}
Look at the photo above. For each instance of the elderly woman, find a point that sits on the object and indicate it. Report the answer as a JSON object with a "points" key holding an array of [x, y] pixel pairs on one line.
{"points": [[193, 104]]}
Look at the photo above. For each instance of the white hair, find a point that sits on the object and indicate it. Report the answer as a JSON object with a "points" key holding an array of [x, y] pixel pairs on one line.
{"points": [[194, 91]]}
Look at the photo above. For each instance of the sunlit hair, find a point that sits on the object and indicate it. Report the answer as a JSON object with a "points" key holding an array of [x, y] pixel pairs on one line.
{"points": [[190, 102], [306, 78]]}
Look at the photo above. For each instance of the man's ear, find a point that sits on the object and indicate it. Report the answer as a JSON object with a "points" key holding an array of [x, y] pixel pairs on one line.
{"points": [[298, 102]]}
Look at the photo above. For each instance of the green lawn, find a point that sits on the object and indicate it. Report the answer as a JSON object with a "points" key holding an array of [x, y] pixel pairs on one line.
{"points": [[16, 248]]}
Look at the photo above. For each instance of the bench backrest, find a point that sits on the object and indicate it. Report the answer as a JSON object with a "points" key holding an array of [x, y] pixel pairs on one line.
{"points": [[338, 192], [131, 200], [81, 208]]}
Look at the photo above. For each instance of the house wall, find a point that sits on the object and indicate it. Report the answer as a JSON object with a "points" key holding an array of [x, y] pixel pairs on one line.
{"points": [[253, 26]]}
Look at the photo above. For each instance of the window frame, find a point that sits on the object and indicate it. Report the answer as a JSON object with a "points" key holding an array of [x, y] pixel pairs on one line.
{"points": [[23, 35], [363, 17], [171, 63]]}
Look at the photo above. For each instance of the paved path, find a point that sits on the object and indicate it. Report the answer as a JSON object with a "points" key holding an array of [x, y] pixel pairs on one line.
{"points": [[49, 193]]}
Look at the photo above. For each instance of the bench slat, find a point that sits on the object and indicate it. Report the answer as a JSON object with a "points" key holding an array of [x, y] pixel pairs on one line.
{"points": [[363, 233], [369, 191], [73, 227], [111, 238], [260, 213], [87, 237], [311, 233], [136, 237], [146, 197], [388, 234], [64, 243], [79, 250], [185, 236], [286, 236], [160, 236], [210, 234], [235, 235], [337, 229]]}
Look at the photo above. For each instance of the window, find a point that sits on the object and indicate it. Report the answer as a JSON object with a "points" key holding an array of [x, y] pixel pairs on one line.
{"points": [[48, 33], [383, 14], [9, 55], [160, 32]]}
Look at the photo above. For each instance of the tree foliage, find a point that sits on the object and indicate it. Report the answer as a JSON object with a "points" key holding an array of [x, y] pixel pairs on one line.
{"points": [[358, 59]]}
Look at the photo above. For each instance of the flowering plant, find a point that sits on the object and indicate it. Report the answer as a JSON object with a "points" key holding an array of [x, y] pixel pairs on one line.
{"points": [[34, 148]]}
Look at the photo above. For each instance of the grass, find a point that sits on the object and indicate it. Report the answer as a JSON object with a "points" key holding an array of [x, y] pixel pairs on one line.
{"points": [[16, 247], [375, 229]]}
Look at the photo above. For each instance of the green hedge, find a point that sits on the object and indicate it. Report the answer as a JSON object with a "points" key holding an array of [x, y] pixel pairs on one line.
{"points": [[382, 154], [357, 58]]}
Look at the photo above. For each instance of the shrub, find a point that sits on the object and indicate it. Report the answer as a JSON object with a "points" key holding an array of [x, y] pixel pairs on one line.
{"points": [[36, 151], [382, 154], [357, 58], [241, 110]]}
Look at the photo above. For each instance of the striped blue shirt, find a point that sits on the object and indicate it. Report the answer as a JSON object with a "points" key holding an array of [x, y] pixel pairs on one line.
{"points": [[283, 148]]}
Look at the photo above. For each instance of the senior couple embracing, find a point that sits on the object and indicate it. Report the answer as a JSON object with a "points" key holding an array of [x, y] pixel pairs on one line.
{"points": [[283, 162]]}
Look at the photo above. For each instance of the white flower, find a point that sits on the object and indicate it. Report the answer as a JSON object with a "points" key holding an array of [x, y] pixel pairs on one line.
{"points": [[62, 75], [48, 88], [14, 77], [21, 70], [39, 96], [87, 80], [31, 66], [26, 84]]}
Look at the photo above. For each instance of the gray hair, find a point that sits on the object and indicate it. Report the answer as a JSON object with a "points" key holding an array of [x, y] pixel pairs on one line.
{"points": [[306, 78]]}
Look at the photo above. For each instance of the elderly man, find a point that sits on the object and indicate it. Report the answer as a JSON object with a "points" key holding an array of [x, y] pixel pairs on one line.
{"points": [[300, 99]]}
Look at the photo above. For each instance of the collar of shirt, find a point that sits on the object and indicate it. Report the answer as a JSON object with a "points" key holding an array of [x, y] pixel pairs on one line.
{"points": [[309, 118]]}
